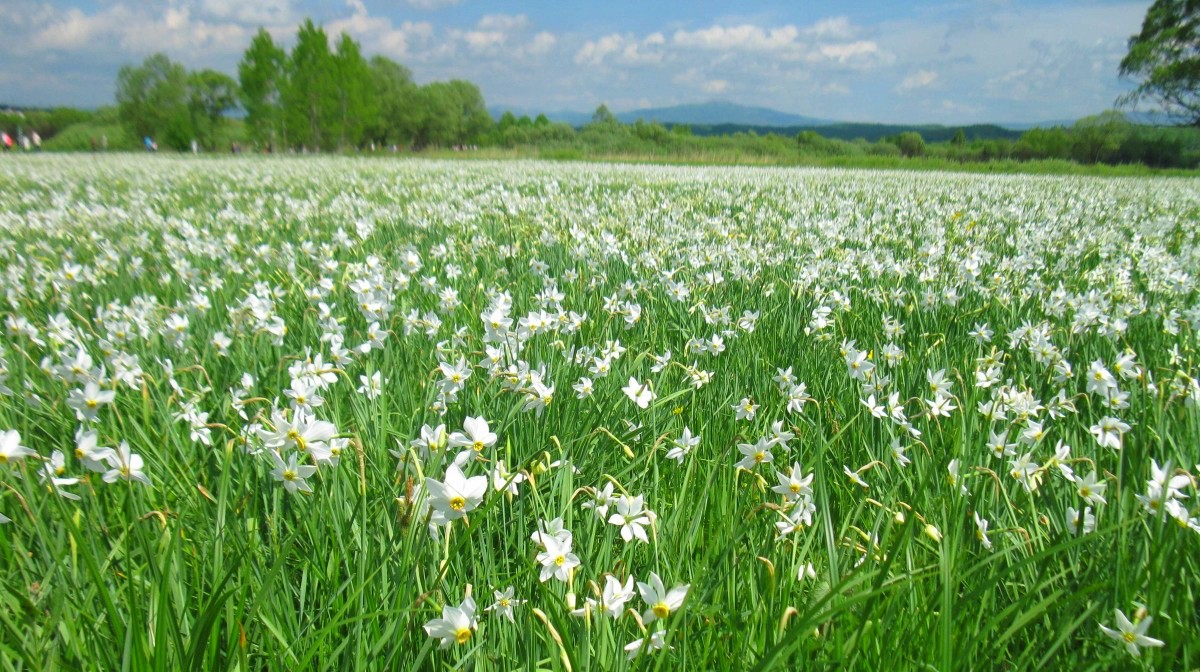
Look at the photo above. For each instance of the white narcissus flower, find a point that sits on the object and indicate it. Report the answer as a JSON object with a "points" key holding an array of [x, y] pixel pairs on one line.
{"points": [[456, 624], [372, 386], [656, 642], [981, 528], [640, 393], [87, 402], [754, 454], [660, 602], [683, 445], [476, 435], [1091, 489], [504, 603], [632, 517], [11, 449], [456, 495], [794, 485], [291, 473], [745, 409], [124, 465], [557, 560], [89, 453], [1132, 636], [615, 595], [1109, 432]]}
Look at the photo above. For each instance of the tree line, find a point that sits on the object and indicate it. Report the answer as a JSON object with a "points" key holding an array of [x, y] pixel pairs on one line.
{"points": [[313, 97]]}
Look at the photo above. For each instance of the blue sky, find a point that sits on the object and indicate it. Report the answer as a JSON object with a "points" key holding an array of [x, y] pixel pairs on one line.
{"points": [[885, 61]]}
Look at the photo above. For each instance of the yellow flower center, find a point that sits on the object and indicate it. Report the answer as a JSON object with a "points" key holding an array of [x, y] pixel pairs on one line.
{"points": [[457, 503], [3, 458], [760, 456], [91, 403], [1129, 637], [795, 488], [462, 635], [661, 610], [504, 602], [294, 437], [559, 560], [478, 446], [289, 475]]}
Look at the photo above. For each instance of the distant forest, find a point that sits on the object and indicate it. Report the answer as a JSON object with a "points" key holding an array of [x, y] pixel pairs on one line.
{"points": [[318, 97]]}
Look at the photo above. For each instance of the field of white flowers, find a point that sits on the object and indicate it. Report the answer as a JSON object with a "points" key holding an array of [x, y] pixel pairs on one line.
{"points": [[267, 413]]}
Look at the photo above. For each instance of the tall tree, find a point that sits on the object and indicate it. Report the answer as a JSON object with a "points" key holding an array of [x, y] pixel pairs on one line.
{"points": [[212, 94], [310, 95], [357, 102], [473, 119], [261, 74], [1165, 56], [399, 116], [1096, 138], [603, 116], [152, 100]]}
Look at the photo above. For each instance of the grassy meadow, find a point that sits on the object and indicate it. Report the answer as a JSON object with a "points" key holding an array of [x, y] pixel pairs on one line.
{"points": [[300, 413]]}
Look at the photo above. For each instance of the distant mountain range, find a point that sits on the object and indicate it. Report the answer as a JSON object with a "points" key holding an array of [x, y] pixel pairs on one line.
{"points": [[724, 116], [703, 114]]}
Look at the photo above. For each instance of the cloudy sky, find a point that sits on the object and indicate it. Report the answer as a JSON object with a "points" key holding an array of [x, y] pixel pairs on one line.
{"points": [[882, 60]]}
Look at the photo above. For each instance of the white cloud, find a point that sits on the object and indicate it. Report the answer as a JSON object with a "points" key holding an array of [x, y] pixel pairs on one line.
{"points": [[135, 32], [492, 32], [432, 4], [836, 28], [542, 43], [624, 49], [694, 78], [258, 12], [825, 41], [862, 52], [917, 80], [740, 38]]}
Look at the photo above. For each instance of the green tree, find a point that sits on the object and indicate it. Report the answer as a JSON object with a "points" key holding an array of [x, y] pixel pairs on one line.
{"points": [[910, 143], [1165, 56], [152, 100], [1096, 138], [960, 138], [1044, 143], [507, 120], [603, 117], [398, 114], [469, 110], [436, 124], [211, 95], [310, 98], [261, 74], [356, 102]]}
